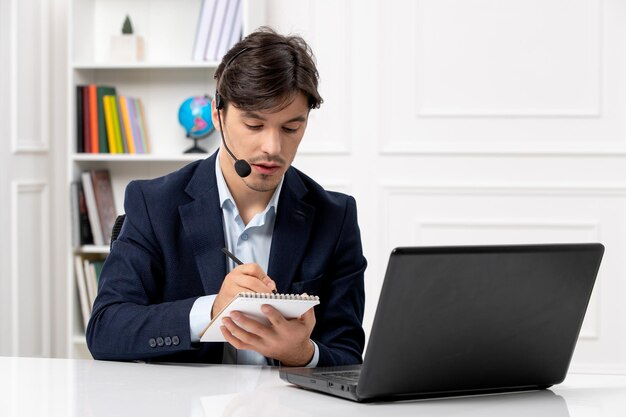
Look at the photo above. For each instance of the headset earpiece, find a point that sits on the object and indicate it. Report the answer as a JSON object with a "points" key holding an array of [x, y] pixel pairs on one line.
{"points": [[219, 101]]}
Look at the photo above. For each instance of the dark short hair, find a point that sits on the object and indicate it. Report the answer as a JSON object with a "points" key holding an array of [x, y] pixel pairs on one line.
{"points": [[265, 70]]}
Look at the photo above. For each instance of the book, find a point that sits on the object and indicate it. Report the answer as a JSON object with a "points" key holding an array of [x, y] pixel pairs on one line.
{"points": [[125, 119], [103, 194], [236, 31], [115, 117], [290, 305], [80, 126], [217, 25], [233, 13], [86, 121], [98, 264], [93, 118], [81, 284], [74, 211], [122, 141], [92, 209], [202, 31], [143, 126], [90, 279], [103, 143], [108, 118], [81, 231], [134, 124]]}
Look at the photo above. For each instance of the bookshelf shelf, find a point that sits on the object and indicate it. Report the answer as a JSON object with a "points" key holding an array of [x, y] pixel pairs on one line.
{"points": [[102, 249], [144, 65], [163, 80], [128, 158], [79, 339]]}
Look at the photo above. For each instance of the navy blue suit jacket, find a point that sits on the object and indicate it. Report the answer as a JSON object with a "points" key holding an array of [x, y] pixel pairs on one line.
{"points": [[169, 253]]}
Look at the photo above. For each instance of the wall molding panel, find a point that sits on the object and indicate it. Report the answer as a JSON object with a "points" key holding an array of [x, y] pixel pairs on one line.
{"points": [[477, 58], [482, 213], [29, 110], [478, 77], [30, 269]]}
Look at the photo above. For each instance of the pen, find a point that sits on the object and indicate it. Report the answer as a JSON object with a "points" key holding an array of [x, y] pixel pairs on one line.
{"points": [[237, 261]]}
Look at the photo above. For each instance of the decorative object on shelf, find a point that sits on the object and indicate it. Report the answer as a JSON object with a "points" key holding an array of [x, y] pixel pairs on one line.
{"points": [[194, 115], [127, 46]]}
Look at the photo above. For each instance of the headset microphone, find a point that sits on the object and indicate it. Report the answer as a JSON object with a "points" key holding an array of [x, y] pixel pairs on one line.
{"points": [[242, 167]]}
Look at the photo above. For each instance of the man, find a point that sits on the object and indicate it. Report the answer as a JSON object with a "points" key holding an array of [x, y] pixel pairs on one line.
{"points": [[166, 275]]}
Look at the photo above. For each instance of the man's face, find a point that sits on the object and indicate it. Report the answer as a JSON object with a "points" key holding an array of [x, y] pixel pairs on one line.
{"points": [[268, 140]]}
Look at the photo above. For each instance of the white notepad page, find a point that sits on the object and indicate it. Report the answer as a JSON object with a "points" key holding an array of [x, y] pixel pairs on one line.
{"points": [[289, 305]]}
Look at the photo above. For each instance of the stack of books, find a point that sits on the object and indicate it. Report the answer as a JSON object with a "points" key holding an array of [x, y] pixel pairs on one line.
{"points": [[220, 26], [93, 209], [108, 123], [87, 270]]}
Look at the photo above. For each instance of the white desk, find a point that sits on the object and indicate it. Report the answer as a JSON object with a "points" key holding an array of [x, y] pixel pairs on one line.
{"points": [[62, 387]]}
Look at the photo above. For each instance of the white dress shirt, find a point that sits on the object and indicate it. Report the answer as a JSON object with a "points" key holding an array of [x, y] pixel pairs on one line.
{"points": [[251, 243]]}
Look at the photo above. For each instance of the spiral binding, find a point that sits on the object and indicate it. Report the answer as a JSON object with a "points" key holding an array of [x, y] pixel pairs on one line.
{"points": [[271, 296]]}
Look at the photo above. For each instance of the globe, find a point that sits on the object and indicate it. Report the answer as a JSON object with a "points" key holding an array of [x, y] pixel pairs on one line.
{"points": [[194, 115]]}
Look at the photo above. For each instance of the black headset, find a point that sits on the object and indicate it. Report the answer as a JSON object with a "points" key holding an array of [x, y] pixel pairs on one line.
{"points": [[242, 167]]}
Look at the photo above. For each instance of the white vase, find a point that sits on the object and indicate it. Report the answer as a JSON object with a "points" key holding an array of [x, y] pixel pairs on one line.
{"points": [[127, 48]]}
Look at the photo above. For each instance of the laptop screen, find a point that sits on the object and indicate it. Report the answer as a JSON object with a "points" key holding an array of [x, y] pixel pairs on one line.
{"points": [[482, 318]]}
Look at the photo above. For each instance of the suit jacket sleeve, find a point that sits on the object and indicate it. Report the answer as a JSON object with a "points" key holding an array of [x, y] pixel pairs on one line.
{"points": [[129, 317], [339, 331]]}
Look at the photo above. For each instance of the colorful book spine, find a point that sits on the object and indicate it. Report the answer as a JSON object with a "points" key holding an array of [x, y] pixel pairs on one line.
{"points": [[93, 118], [103, 143], [80, 120], [86, 121], [122, 138], [132, 112], [110, 129], [130, 142], [143, 126]]}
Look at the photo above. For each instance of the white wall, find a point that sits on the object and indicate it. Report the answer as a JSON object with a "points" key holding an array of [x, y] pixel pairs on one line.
{"points": [[451, 121], [25, 213]]}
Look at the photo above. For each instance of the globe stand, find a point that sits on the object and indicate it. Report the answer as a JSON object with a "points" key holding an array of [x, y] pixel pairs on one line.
{"points": [[195, 148], [194, 115]]}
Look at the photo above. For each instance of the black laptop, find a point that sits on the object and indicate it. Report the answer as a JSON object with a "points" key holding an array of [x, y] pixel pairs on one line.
{"points": [[455, 321]]}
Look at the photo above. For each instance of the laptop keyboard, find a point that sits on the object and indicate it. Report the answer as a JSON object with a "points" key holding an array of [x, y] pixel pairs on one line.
{"points": [[348, 376]]}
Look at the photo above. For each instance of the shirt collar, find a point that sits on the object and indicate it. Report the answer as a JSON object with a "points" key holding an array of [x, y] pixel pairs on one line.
{"points": [[226, 198]]}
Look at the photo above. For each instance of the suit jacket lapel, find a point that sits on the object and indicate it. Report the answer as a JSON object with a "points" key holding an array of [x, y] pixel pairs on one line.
{"points": [[292, 229], [202, 222]]}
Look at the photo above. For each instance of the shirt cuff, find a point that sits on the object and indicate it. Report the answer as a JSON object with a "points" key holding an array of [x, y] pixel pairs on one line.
{"points": [[200, 316], [316, 356]]}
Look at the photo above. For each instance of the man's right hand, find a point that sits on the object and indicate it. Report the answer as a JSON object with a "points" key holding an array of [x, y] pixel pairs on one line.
{"points": [[244, 278]]}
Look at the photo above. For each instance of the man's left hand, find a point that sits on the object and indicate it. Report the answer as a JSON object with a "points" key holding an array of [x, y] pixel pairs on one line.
{"points": [[287, 340]]}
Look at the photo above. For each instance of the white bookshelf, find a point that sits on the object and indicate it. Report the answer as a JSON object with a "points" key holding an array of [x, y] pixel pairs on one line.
{"points": [[163, 80]]}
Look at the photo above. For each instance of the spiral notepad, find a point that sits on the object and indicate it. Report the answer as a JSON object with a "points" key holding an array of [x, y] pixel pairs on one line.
{"points": [[289, 305]]}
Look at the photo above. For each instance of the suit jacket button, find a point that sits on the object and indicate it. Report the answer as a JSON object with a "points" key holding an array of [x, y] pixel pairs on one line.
{"points": [[159, 341], [175, 340], [152, 342], [168, 341]]}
